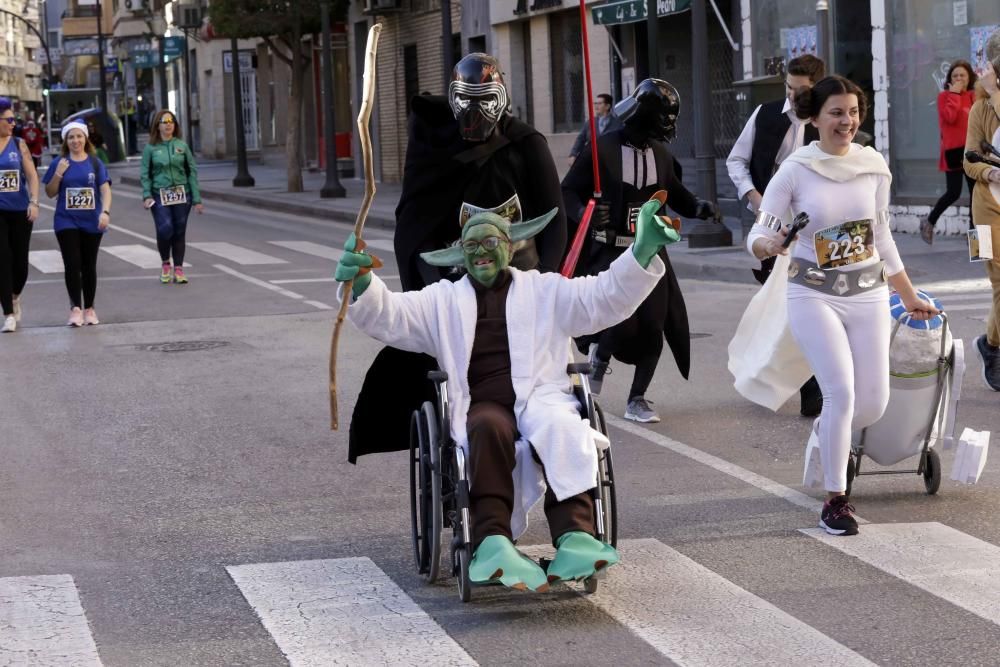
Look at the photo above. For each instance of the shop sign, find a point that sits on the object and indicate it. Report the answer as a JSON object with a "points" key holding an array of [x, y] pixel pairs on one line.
{"points": [[246, 61], [633, 11]]}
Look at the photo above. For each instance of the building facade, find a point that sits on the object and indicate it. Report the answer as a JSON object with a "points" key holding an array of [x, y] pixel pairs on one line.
{"points": [[20, 62]]}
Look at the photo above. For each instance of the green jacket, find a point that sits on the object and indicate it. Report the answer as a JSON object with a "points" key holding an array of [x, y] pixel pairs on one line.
{"points": [[172, 164]]}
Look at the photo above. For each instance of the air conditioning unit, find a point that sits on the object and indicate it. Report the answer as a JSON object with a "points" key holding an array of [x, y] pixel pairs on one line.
{"points": [[383, 6], [188, 17], [136, 5]]}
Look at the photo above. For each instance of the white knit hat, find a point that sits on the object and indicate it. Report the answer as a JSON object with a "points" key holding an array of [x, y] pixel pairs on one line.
{"points": [[74, 125]]}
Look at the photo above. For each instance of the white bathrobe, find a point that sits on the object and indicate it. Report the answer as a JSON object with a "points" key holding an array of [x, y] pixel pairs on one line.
{"points": [[544, 311]]}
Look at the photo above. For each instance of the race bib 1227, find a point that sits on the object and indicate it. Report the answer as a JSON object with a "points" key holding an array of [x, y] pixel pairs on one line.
{"points": [[80, 199]]}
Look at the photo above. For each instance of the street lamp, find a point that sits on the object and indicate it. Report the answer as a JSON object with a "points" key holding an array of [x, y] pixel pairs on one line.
{"points": [[158, 26]]}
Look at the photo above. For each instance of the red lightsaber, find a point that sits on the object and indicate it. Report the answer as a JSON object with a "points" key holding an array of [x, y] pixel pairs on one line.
{"points": [[569, 264]]}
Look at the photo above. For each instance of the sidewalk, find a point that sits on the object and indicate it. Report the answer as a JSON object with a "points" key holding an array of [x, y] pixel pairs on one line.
{"points": [[946, 259]]}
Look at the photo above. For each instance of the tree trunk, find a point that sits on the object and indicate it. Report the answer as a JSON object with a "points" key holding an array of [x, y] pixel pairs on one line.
{"points": [[293, 134]]}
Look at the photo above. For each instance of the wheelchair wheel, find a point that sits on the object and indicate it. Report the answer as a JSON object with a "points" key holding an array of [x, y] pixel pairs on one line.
{"points": [[606, 475], [851, 474], [425, 492], [932, 472]]}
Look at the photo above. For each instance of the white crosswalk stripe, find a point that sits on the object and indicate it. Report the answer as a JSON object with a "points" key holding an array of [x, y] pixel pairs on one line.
{"points": [[694, 616], [42, 623], [46, 261], [943, 561], [235, 253], [310, 248], [343, 611], [142, 256]]}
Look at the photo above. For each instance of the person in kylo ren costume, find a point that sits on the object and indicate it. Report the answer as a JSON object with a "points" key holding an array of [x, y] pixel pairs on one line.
{"points": [[634, 163], [465, 154]]}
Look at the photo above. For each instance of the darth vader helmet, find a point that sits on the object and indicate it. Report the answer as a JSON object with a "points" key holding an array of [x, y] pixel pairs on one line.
{"points": [[651, 110], [478, 96]]}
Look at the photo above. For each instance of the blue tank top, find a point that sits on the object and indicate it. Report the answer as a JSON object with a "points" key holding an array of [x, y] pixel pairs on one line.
{"points": [[13, 189]]}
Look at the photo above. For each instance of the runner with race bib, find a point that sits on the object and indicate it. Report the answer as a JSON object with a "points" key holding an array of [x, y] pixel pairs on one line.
{"points": [[18, 210], [838, 270], [81, 187], [169, 177]]}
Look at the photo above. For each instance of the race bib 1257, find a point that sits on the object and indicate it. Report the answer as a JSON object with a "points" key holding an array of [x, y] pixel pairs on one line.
{"points": [[174, 195]]}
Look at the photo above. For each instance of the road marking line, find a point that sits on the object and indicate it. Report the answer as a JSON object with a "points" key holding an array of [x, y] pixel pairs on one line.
{"points": [[310, 248], [731, 469], [43, 231], [320, 305], [696, 617], [945, 562], [967, 306], [258, 282], [142, 237], [142, 256], [949, 286], [43, 623], [292, 281], [343, 611], [235, 253], [388, 245], [46, 261]]}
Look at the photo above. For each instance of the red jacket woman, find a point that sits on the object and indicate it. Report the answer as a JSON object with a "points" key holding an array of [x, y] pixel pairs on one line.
{"points": [[953, 105]]}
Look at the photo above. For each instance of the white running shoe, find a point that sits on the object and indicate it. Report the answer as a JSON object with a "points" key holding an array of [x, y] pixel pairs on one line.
{"points": [[17, 308], [638, 410], [9, 324], [75, 318], [90, 316]]}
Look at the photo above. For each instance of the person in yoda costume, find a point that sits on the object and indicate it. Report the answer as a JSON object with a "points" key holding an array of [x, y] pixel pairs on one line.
{"points": [[503, 336]]}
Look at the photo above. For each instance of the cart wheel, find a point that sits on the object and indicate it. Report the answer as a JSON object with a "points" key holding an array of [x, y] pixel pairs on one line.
{"points": [[850, 474], [932, 472], [590, 585], [463, 556]]}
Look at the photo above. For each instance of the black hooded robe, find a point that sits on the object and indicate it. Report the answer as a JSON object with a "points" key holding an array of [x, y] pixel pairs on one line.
{"points": [[441, 172], [666, 303]]}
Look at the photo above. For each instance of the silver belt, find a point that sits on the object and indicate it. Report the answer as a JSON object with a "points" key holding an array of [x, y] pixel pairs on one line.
{"points": [[620, 241], [837, 283]]}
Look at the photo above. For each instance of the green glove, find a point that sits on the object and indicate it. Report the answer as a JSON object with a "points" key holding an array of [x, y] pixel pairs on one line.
{"points": [[651, 234], [351, 264]]}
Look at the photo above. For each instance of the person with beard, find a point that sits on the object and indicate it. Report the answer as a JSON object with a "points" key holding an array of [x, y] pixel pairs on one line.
{"points": [[465, 154], [634, 164]]}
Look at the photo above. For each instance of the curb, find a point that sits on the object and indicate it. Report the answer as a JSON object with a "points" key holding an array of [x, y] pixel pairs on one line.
{"points": [[375, 219]]}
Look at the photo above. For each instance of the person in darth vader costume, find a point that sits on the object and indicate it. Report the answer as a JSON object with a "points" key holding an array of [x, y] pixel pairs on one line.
{"points": [[466, 154], [634, 163]]}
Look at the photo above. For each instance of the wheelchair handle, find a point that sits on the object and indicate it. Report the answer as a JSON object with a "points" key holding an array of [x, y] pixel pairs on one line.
{"points": [[582, 368], [437, 376]]}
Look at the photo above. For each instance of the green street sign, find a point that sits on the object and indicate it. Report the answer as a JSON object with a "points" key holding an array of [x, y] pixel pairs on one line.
{"points": [[633, 11]]}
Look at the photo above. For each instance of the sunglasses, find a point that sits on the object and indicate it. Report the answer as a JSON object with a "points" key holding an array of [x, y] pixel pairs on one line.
{"points": [[10, 120], [471, 247], [167, 121]]}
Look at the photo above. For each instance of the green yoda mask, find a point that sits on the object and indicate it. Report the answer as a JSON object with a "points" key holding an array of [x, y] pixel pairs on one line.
{"points": [[485, 249]]}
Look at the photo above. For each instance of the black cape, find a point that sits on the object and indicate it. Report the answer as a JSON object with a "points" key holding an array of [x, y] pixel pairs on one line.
{"points": [[578, 188], [441, 172]]}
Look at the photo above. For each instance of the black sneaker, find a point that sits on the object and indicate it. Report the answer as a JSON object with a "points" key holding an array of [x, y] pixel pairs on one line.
{"points": [[990, 356], [811, 398], [837, 517]]}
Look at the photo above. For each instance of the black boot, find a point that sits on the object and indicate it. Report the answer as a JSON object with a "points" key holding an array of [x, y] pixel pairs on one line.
{"points": [[811, 398]]}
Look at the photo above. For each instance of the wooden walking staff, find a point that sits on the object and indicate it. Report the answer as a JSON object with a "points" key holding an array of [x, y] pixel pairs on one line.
{"points": [[569, 264], [364, 116]]}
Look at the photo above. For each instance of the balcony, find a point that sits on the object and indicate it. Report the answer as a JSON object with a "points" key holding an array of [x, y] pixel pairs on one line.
{"points": [[82, 21]]}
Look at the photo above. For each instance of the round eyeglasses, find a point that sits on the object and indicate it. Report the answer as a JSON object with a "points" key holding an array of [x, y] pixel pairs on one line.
{"points": [[471, 247]]}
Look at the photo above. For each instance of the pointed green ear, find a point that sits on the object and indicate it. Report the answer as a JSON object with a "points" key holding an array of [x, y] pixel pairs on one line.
{"points": [[527, 229], [452, 256]]}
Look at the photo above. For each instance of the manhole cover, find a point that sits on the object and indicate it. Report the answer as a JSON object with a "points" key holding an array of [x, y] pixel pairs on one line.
{"points": [[182, 346], [700, 335]]}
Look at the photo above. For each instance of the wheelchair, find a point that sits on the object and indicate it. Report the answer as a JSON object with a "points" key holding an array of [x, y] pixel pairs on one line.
{"points": [[439, 486]]}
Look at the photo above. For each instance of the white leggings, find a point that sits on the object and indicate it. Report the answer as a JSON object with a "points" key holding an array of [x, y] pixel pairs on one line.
{"points": [[846, 342]]}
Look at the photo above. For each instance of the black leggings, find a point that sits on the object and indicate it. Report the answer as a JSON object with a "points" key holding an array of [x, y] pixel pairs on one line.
{"points": [[15, 237], [79, 254], [954, 191]]}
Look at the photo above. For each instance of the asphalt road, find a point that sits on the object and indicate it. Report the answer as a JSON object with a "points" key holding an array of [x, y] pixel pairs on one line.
{"points": [[172, 493]]}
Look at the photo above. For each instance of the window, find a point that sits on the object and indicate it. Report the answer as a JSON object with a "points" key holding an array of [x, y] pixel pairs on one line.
{"points": [[567, 71], [922, 41]]}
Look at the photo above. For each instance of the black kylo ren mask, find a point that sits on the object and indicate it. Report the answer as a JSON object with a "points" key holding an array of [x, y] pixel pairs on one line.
{"points": [[478, 96], [651, 110]]}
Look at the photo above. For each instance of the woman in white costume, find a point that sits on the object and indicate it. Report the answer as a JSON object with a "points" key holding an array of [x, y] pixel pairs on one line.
{"points": [[838, 301]]}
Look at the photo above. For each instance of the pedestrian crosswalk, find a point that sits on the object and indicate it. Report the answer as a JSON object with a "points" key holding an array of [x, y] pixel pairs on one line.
{"points": [[349, 611]]}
